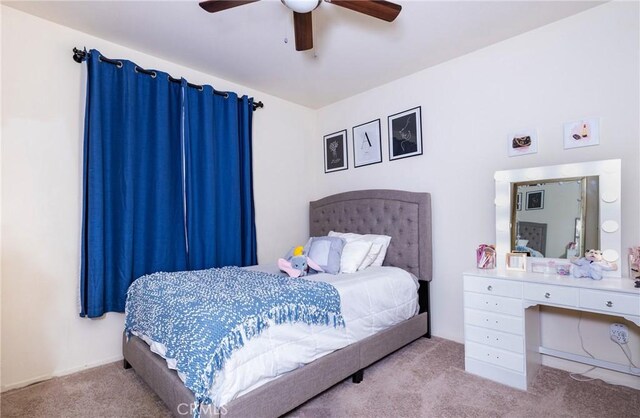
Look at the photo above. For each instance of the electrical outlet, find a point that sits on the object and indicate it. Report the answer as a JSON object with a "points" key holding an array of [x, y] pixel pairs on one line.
{"points": [[619, 333]]}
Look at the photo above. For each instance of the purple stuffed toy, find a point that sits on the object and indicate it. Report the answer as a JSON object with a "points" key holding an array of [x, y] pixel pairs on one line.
{"points": [[592, 265]]}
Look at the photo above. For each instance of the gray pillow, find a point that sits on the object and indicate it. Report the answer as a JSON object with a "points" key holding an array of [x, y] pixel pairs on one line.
{"points": [[326, 252]]}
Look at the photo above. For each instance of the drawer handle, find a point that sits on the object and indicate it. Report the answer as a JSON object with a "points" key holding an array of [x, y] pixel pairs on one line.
{"points": [[489, 288], [609, 304], [547, 295]]}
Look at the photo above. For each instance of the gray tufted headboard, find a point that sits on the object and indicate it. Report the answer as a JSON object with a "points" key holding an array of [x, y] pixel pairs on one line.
{"points": [[405, 216]]}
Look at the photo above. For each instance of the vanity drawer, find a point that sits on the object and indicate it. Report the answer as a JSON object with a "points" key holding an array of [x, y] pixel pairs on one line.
{"points": [[494, 338], [492, 320], [492, 303], [493, 286], [495, 356], [610, 302], [550, 294]]}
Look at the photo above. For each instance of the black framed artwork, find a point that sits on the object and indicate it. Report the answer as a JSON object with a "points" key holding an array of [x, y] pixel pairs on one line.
{"points": [[519, 201], [367, 144], [535, 200], [335, 152], [405, 134]]}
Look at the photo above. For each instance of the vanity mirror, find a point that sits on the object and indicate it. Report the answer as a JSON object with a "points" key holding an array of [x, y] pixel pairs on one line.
{"points": [[559, 211], [555, 218]]}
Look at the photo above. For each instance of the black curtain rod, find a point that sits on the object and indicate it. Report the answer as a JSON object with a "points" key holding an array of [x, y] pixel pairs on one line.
{"points": [[81, 55]]}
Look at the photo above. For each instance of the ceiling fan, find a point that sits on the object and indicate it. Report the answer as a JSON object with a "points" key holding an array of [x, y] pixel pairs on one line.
{"points": [[302, 9]]}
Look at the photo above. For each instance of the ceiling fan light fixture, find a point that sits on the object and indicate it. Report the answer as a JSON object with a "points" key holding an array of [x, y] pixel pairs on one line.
{"points": [[302, 6]]}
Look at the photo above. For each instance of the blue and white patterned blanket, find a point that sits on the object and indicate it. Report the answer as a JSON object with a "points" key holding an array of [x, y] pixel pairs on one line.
{"points": [[201, 317]]}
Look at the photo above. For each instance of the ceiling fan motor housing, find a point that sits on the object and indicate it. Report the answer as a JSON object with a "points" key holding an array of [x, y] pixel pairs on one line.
{"points": [[302, 6]]}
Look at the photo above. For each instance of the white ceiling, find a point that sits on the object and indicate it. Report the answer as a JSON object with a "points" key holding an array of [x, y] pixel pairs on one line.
{"points": [[352, 52]]}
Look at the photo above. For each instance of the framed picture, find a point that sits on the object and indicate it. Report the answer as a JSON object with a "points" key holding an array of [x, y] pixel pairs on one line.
{"points": [[516, 261], [581, 133], [367, 144], [522, 142], [405, 134], [519, 201], [335, 152], [535, 200]]}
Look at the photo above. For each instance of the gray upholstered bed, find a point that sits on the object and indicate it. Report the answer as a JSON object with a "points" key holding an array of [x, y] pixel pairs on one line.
{"points": [[406, 217]]}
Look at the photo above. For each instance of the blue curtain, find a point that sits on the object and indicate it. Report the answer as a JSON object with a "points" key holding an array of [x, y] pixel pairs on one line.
{"points": [[151, 201], [221, 231]]}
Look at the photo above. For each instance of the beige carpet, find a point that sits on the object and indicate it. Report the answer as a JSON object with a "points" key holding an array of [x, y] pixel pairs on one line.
{"points": [[424, 379]]}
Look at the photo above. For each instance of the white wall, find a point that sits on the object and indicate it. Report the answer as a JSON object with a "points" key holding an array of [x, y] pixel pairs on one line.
{"points": [[583, 66], [42, 99]]}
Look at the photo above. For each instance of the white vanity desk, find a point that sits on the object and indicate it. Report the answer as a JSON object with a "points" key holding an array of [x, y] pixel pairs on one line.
{"points": [[502, 317], [502, 308]]}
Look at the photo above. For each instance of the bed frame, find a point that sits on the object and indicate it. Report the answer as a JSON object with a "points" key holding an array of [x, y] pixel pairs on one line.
{"points": [[406, 217]]}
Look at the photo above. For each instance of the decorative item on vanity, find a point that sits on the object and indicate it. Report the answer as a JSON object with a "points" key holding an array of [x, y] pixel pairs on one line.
{"points": [[543, 267], [581, 133], [634, 263], [367, 146], [405, 134], [516, 261], [522, 142], [563, 269], [335, 152], [592, 265], [486, 256]]}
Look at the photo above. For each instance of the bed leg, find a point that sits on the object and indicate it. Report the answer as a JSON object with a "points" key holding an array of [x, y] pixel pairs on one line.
{"points": [[358, 376], [126, 364], [423, 301]]}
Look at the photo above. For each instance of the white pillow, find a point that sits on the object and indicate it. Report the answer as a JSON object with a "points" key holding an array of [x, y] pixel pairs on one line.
{"points": [[371, 256], [382, 240], [353, 254]]}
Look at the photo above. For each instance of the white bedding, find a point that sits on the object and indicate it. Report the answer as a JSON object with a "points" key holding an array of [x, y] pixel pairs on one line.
{"points": [[371, 300]]}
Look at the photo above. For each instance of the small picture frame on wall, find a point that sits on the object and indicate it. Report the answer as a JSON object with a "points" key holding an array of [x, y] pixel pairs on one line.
{"points": [[367, 144], [405, 134], [582, 133], [516, 261], [522, 142], [519, 201], [535, 200], [335, 152]]}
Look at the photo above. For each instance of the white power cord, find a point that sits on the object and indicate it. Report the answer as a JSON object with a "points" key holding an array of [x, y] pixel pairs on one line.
{"points": [[627, 354], [580, 376]]}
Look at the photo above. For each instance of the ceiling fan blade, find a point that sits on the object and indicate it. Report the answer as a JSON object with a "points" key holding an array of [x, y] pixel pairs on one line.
{"points": [[303, 30], [380, 9], [213, 6]]}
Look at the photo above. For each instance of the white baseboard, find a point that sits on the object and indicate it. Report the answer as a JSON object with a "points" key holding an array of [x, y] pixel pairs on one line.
{"points": [[59, 373]]}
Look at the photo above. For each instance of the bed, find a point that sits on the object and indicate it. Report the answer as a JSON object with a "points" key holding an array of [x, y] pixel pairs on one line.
{"points": [[406, 217], [533, 236]]}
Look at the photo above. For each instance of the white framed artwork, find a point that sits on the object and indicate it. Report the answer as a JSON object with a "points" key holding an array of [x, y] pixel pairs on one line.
{"points": [[367, 144], [522, 142], [582, 133]]}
